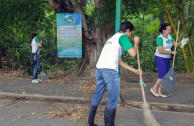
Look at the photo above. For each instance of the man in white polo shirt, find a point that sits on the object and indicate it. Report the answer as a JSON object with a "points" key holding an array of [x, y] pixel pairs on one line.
{"points": [[107, 73]]}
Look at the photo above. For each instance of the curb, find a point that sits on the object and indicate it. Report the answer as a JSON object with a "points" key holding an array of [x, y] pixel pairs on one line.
{"points": [[39, 97], [161, 106], [77, 100]]}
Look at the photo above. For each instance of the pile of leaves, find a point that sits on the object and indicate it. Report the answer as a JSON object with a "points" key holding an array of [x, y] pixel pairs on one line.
{"points": [[75, 112], [19, 74], [87, 86]]}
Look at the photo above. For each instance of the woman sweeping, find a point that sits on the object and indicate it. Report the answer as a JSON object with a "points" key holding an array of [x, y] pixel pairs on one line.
{"points": [[36, 44], [163, 52]]}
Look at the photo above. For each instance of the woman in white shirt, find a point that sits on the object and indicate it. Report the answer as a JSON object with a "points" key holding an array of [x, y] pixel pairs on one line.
{"points": [[35, 45], [164, 44]]}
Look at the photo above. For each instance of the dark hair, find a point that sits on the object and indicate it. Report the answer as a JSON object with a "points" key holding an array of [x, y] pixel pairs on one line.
{"points": [[126, 25], [32, 36], [163, 27]]}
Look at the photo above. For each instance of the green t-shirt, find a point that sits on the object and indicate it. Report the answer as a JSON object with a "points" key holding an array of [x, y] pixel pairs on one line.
{"points": [[37, 40], [159, 41], [166, 43], [125, 42]]}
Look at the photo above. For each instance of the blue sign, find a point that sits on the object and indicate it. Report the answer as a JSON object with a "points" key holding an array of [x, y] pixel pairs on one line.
{"points": [[69, 35]]}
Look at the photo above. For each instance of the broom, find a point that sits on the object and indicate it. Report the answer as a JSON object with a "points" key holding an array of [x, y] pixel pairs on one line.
{"points": [[149, 119], [42, 74]]}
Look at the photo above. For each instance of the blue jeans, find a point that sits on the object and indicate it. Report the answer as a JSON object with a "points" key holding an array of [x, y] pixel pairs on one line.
{"points": [[107, 79], [36, 67]]}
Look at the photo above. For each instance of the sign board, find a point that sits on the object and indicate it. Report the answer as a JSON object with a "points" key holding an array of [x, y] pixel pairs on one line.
{"points": [[69, 35]]}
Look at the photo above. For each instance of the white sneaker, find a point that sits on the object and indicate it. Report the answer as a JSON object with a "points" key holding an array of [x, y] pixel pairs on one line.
{"points": [[35, 81], [39, 80]]}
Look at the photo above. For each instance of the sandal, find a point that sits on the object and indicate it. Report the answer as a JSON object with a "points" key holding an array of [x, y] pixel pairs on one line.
{"points": [[155, 94], [163, 96]]}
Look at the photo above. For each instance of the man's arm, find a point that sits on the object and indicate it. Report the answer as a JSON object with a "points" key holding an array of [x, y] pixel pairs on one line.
{"points": [[126, 66], [40, 44], [133, 51]]}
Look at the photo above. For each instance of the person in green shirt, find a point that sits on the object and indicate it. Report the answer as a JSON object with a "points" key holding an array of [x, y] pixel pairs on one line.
{"points": [[107, 72], [163, 53], [36, 44]]}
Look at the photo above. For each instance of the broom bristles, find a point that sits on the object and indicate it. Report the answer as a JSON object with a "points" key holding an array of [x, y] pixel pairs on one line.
{"points": [[149, 119]]}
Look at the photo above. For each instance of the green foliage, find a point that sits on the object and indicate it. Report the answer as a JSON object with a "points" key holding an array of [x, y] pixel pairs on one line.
{"points": [[147, 29], [89, 9], [19, 18], [148, 16], [105, 13]]}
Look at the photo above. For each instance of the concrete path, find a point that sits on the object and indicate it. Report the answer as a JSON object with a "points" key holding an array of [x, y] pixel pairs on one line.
{"points": [[35, 113], [32, 112]]}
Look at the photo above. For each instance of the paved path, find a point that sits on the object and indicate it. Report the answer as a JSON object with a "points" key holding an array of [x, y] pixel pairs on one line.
{"points": [[19, 87], [35, 113], [20, 113]]}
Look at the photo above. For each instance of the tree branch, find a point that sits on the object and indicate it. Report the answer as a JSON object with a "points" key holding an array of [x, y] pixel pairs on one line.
{"points": [[84, 22], [97, 3], [191, 29], [54, 4], [184, 25]]}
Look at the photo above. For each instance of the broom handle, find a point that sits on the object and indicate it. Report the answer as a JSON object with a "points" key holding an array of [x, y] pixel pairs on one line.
{"points": [[177, 34], [140, 76]]}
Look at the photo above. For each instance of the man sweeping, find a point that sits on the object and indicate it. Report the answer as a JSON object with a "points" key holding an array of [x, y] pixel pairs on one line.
{"points": [[107, 73]]}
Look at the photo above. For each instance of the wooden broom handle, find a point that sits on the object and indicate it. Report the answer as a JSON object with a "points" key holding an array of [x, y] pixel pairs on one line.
{"points": [[177, 34], [140, 77]]}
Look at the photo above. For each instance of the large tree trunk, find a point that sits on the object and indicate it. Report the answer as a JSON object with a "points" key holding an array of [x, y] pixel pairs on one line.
{"points": [[93, 41]]}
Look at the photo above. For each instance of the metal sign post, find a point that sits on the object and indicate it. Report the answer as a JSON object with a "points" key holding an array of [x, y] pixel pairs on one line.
{"points": [[118, 15]]}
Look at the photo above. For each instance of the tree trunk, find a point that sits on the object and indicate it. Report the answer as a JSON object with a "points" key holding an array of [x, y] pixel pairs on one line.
{"points": [[93, 41]]}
